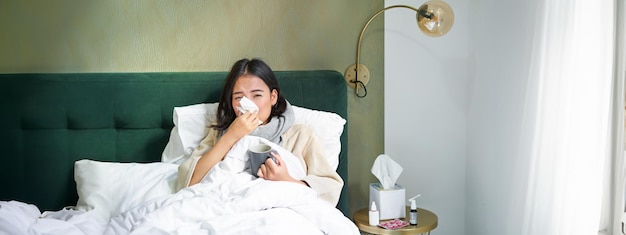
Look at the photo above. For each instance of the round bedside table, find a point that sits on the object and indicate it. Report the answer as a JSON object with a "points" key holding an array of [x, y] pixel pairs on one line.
{"points": [[426, 221]]}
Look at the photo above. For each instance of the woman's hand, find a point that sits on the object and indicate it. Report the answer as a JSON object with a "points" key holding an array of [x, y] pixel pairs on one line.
{"points": [[243, 125], [276, 171]]}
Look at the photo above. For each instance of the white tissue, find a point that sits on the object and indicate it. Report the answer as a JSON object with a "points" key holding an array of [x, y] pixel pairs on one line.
{"points": [[247, 105], [386, 170]]}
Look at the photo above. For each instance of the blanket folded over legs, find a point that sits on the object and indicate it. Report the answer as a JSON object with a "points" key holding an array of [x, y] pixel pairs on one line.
{"points": [[231, 201]]}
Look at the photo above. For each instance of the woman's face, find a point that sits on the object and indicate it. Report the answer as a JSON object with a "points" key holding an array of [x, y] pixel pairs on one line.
{"points": [[253, 88]]}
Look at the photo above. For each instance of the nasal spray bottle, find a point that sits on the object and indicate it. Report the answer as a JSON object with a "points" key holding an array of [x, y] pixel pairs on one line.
{"points": [[413, 213]]}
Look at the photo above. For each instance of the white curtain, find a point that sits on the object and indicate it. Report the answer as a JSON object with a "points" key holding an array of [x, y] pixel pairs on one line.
{"points": [[615, 200], [569, 107]]}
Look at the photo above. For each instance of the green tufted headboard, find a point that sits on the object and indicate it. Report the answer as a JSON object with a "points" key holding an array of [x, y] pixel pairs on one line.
{"points": [[48, 121]]}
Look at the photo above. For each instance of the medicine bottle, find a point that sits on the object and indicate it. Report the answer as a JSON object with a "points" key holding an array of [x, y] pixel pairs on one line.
{"points": [[413, 213], [374, 216]]}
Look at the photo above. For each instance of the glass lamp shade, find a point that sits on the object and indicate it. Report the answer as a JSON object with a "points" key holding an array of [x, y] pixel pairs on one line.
{"points": [[435, 18]]}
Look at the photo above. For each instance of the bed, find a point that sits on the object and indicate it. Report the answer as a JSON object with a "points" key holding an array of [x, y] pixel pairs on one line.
{"points": [[77, 146]]}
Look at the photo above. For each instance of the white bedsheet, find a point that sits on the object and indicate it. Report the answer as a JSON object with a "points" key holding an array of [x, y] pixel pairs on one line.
{"points": [[229, 201], [195, 210], [264, 207], [18, 218]]}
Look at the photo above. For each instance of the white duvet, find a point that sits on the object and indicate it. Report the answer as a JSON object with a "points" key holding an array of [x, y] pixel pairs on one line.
{"points": [[229, 201]]}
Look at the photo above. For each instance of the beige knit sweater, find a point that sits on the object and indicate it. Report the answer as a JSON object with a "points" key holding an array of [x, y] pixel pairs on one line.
{"points": [[303, 143]]}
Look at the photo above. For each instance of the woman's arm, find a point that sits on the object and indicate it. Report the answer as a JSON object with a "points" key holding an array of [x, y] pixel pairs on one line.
{"points": [[212, 157], [243, 125]]}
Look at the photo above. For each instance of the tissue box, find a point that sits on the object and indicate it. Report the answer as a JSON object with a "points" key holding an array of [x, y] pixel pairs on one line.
{"points": [[390, 203]]}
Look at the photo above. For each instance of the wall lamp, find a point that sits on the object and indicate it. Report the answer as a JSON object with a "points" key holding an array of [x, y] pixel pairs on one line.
{"points": [[434, 18]]}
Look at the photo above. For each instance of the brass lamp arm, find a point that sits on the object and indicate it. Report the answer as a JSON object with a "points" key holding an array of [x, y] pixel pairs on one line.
{"points": [[434, 18], [357, 66], [358, 45]]}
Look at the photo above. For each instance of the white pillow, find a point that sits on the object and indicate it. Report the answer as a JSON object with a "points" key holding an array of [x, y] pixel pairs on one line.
{"points": [[110, 188], [191, 126], [328, 127]]}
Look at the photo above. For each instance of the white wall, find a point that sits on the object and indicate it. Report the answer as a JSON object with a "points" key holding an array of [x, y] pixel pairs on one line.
{"points": [[453, 112], [501, 41], [426, 101]]}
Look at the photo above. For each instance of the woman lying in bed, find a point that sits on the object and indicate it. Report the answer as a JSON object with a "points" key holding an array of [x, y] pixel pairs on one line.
{"points": [[254, 80]]}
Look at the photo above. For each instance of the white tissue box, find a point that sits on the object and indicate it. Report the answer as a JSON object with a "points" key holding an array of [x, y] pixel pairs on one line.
{"points": [[390, 202]]}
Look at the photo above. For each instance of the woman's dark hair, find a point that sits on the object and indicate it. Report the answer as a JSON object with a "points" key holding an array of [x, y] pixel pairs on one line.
{"points": [[225, 113]]}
